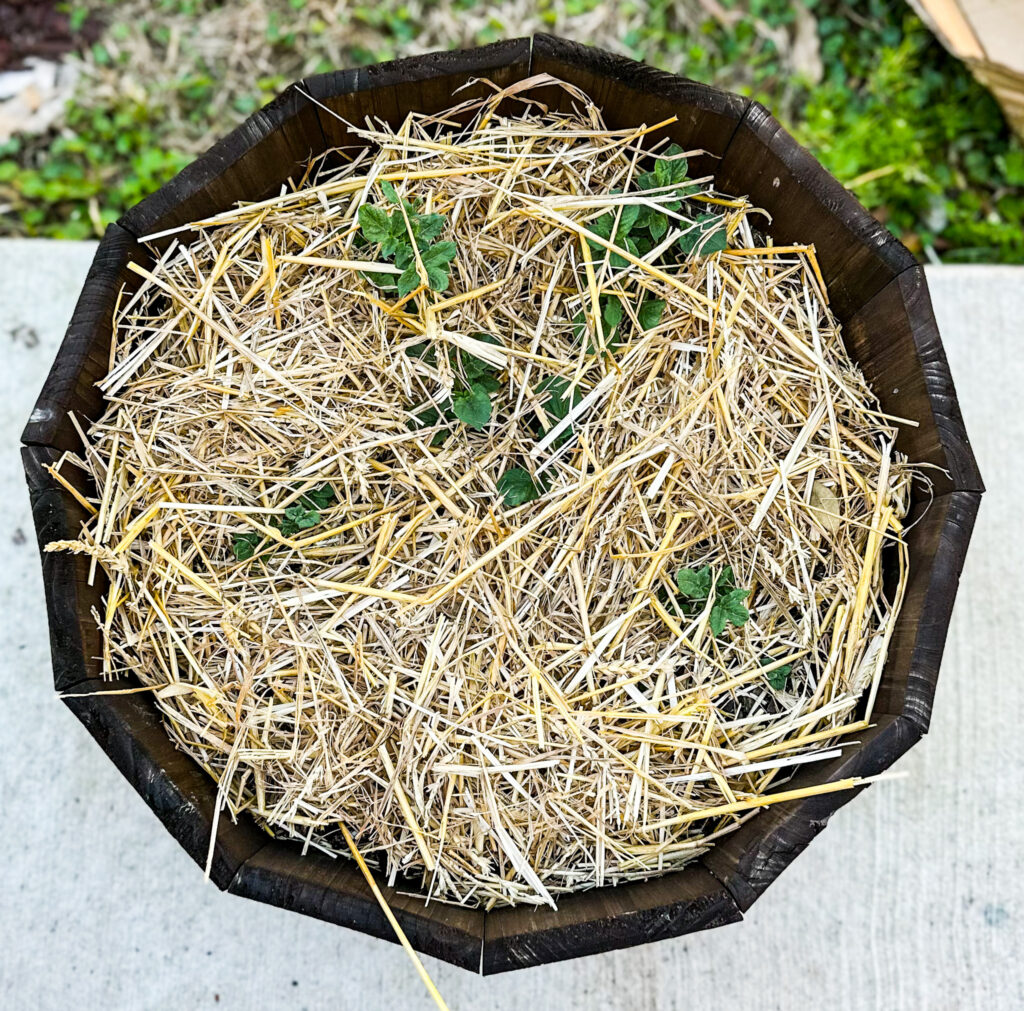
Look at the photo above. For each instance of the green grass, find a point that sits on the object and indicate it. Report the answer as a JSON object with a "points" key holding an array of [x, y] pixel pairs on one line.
{"points": [[894, 117]]}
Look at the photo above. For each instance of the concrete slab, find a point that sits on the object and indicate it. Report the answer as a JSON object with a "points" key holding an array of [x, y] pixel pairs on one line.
{"points": [[913, 898]]}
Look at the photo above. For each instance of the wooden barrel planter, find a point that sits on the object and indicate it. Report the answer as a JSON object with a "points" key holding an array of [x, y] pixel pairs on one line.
{"points": [[879, 294]]}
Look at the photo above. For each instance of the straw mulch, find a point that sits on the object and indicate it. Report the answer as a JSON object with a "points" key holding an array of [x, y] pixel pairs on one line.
{"points": [[351, 615]]}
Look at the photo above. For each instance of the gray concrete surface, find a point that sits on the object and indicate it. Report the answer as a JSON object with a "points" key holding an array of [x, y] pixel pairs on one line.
{"points": [[912, 899]]}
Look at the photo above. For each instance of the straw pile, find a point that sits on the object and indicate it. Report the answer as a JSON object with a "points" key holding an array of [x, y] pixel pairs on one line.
{"points": [[534, 568]]}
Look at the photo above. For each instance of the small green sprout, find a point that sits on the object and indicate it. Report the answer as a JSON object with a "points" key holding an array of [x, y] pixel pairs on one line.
{"points": [[558, 401], [302, 514], [244, 545], [694, 584], [649, 313], [391, 232], [470, 401], [472, 406], [727, 608]]}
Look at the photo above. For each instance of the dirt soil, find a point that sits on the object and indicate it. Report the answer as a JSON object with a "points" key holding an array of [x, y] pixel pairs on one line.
{"points": [[38, 28]]}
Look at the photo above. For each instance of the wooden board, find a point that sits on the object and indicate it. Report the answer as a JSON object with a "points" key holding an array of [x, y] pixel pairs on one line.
{"points": [[335, 890]]}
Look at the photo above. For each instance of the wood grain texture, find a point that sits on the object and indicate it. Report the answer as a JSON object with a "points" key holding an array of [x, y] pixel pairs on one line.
{"points": [[606, 919], [750, 859], [939, 535], [631, 93], [389, 91], [858, 256], [75, 640], [895, 340], [335, 891], [83, 357], [179, 793], [273, 145]]}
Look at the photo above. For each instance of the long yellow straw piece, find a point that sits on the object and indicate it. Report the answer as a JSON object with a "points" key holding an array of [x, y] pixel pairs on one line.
{"points": [[399, 933]]}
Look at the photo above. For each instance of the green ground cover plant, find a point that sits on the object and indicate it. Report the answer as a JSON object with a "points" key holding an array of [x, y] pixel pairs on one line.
{"points": [[865, 86]]}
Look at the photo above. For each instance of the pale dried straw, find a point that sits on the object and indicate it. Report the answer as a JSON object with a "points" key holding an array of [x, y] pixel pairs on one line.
{"points": [[505, 704]]}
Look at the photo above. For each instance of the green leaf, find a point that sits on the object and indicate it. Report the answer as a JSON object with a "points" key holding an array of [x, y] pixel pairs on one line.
{"points": [[424, 351], [728, 609], [320, 497], [777, 678], [409, 281], [244, 545], [374, 223], [663, 172], [517, 486], [649, 313], [694, 583], [439, 253], [611, 314], [602, 225], [726, 580], [620, 262], [627, 218], [671, 168], [437, 277], [473, 367], [706, 236], [427, 227], [389, 191], [489, 382], [658, 226], [473, 406], [426, 418], [302, 517], [397, 243], [579, 325], [558, 404]]}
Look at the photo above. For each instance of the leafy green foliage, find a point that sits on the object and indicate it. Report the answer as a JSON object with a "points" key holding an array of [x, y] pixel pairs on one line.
{"points": [[436, 260], [638, 228], [470, 365], [302, 514], [396, 234], [297, 517], [375, 224], [706, 236], [649, 313], [245, 545], [472, 406], [727, 607], [558, 400], [895, 117], [923, 145], [428, 417], [517, 486], [694, 584], [670, 169], [470, 402]]}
